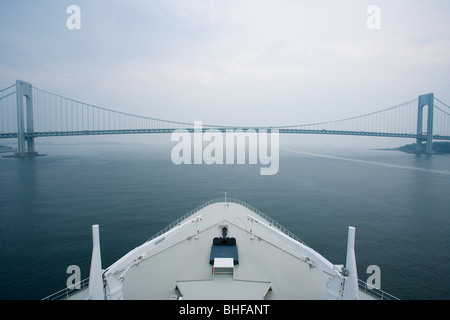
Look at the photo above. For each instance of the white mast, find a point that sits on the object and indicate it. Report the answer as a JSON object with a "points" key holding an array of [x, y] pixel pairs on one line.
{"points": [[351, 281], [95, 276]]}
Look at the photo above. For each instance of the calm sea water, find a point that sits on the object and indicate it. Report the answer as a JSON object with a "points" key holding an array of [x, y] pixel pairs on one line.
{"points": [[399, 204]]}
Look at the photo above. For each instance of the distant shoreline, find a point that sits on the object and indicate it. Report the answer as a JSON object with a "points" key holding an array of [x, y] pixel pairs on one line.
{"points": [[5, 149], [438, 148]]}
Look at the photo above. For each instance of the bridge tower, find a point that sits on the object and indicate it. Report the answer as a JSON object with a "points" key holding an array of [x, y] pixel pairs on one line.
{"points": [[428, 101], [24, 104]]}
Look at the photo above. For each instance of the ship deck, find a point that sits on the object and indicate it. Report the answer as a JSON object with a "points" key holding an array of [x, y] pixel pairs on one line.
{"points": [[176, 264]]}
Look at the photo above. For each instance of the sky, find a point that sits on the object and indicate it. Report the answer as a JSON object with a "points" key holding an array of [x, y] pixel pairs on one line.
{"points": [[231, 62]]}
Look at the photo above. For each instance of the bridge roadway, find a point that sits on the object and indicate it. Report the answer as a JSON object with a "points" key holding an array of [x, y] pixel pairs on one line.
{"points": [[222, 129]]}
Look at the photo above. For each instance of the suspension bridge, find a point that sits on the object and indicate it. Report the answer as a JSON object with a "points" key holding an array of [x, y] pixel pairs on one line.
{"points": [[27, 113]]}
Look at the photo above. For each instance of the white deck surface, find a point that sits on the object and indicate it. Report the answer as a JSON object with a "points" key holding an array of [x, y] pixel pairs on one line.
{"points": [[185, 259], [223, 287]]}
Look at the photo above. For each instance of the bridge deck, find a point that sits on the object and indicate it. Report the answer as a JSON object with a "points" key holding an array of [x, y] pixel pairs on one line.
{"points": [[221, 129]]}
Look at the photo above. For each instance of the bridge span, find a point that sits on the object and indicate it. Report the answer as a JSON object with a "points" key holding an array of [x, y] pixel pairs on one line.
{"points": [[27, 113]]}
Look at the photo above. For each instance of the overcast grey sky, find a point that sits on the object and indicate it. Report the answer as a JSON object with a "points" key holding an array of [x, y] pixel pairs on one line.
{"points": [[237, 62]]}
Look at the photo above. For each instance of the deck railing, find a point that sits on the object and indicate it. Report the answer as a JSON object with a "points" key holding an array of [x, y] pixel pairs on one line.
{"points": [[374, 292], [69, 291], [253, 209]]}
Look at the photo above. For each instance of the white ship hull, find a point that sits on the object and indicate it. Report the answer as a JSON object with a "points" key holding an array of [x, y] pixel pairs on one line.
{"points": [[252, 258]]}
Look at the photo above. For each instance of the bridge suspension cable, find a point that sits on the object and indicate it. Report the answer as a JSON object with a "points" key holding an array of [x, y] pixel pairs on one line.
{"points": [[441, 118], [8, 122], [54, 114], [58, 113], [446, 105], [398, 118], [7, 88]]}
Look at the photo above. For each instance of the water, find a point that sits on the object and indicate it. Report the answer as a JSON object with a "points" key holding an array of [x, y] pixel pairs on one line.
{"points": [[399, 204]]}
